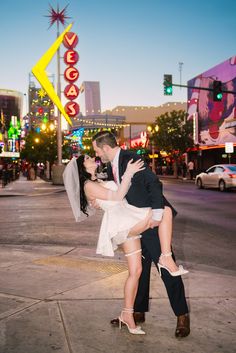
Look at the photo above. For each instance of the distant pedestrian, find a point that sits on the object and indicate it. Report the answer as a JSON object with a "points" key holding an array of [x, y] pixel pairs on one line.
{"points": [[179, 170], [5, 178], [32, 174], [191, 169], [184, 170]]}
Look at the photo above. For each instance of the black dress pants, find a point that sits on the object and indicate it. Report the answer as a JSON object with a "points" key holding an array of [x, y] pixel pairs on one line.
{"points": [[151, 251]]}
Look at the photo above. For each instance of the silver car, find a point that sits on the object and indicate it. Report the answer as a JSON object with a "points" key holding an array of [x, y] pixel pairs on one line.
{"points": [[220, 176]]}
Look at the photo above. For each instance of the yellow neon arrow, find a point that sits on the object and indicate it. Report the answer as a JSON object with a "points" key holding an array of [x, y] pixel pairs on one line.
{"points": [[39, 72]]}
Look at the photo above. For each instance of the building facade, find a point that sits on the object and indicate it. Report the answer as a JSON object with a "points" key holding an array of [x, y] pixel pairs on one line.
{"points": [[40, 106], [214, 121], [89, 98], [11, 108], [138, 118]]}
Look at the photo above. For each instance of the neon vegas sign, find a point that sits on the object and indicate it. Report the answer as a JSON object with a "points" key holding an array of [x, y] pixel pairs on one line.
{"points": [[71, 74]]}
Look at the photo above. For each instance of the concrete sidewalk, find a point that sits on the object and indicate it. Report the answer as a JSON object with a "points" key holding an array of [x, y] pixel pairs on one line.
{"points": [[24, 187], [61, 298]]}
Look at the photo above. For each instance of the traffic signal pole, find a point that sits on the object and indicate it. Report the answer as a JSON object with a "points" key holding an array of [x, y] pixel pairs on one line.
{"points": [[202, 88]]}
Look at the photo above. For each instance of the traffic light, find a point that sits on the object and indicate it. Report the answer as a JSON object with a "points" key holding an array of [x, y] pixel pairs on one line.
{"points": [[168, 88], [217, 91]]}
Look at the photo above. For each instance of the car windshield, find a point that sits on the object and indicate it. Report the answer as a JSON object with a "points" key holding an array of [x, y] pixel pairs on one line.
{"points": [[210, 170], [232, 168]]}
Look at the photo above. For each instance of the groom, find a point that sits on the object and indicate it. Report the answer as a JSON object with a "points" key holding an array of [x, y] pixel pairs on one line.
{"points": [[145, 191]]}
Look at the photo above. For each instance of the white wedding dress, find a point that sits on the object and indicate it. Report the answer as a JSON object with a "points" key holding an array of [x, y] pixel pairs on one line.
{"points": [[119, 217]]}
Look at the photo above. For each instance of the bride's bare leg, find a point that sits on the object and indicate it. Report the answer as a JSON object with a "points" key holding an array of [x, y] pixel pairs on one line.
{"points": [[141, 226], [165, 236], [132, 250]]}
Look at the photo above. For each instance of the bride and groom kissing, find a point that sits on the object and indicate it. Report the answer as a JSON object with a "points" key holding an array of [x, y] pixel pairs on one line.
{"points": [[138, 218]]}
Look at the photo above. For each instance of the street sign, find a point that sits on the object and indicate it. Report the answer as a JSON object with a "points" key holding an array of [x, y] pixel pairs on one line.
{"points": [[10, 154], [229, 147]]}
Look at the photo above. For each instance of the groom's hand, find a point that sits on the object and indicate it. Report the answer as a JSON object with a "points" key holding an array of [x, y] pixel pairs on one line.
{"points": [[94, 204], [152, 223]]}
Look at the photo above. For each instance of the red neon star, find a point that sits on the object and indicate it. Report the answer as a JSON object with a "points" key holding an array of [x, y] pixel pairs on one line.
{"points": [[57, 16]]}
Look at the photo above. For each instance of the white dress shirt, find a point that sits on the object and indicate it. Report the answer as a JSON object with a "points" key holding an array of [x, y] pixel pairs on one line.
{"points": [[115, 165]]}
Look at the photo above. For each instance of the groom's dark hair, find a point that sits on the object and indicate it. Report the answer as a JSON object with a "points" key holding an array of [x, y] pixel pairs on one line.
{"points": [[105, 137]]}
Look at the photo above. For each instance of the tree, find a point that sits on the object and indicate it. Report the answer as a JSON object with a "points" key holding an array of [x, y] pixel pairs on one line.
{"points": [[40, 147], [174, 134]]}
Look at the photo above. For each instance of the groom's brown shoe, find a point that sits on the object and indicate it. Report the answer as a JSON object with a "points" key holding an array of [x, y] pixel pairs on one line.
{"points": [[183, 326], [138, 318]]}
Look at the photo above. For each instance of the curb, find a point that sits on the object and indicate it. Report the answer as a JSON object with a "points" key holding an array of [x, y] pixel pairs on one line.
{"points": [[165, 177], [32, 195]]}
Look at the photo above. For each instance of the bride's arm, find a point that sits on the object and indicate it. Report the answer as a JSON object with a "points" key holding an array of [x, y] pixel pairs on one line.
{"points": [[96, 191]]}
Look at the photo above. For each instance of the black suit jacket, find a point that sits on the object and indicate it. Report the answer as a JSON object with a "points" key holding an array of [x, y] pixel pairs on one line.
{"points": [[146, 188]]}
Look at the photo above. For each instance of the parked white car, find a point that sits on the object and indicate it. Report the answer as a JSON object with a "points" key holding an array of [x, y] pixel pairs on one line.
{"points": [[220, 176]]}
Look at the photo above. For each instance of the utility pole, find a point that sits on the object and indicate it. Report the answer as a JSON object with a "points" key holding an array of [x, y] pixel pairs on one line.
{"points": [[203, 88], [180, 73]]}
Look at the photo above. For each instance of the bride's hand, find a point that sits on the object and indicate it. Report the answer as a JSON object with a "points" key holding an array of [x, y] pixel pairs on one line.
{"points": [[134, 167]]}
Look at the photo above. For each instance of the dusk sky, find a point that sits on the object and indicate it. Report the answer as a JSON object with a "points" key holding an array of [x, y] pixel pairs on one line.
{"points": [[126, 45]]}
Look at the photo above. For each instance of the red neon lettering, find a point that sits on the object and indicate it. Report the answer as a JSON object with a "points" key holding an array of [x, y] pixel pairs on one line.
{"points": [[71, 57], [71, 74], [71, 91], [70, 40], [72, 109]]}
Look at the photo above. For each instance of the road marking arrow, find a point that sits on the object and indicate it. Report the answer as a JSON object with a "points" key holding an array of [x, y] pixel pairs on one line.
{"points": [[39, 72]]}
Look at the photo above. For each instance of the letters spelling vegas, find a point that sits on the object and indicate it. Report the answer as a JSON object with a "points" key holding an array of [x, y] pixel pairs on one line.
{"points": [[71, 74]]}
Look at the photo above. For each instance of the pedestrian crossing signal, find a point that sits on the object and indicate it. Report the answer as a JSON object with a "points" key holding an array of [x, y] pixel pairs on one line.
{"points": [[168, 88]]}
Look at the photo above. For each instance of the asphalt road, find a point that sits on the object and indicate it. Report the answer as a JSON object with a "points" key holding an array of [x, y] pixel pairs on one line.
{"points": [[205, 225], [204, 230], [56, 294]]}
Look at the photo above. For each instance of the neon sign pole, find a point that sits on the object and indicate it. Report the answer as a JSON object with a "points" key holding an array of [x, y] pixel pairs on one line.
{"points": [[58, 16], [39, 71], [71, 74], [59, 136]]}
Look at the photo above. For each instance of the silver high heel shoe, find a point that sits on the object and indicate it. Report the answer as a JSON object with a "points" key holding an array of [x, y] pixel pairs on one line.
{"points": [[135, 331], [181, 271]]}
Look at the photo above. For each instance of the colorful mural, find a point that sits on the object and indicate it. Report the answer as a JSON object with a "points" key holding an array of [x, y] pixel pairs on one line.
{"points": [[215, 122]]}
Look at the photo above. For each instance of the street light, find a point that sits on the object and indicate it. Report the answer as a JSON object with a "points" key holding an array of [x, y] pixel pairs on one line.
{"points": [[152, 129], [47, 127]]}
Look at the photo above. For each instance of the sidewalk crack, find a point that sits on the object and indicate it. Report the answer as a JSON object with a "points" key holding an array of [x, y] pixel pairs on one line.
{"points": [[64, 327]]}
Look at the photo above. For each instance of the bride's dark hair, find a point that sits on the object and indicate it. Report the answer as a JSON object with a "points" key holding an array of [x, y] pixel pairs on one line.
{"points": [[83, 177]]}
